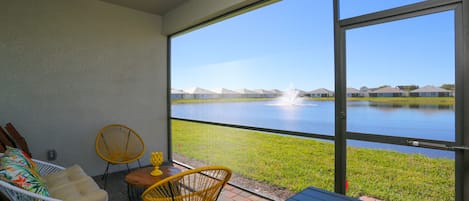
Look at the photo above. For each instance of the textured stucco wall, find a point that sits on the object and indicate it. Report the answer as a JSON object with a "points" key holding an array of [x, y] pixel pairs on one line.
{"points": [[67, 68]]}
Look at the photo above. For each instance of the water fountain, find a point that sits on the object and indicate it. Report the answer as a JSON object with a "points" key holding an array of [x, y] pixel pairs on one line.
{"points": [[290, 97]]}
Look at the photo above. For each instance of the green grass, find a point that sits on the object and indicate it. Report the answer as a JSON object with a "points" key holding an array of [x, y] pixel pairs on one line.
{"points": [[296, 163]]}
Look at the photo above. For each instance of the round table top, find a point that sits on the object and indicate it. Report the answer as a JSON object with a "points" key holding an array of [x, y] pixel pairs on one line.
{"points": [[141, 178]]}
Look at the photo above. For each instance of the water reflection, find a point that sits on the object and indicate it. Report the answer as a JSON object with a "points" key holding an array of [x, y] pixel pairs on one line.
{"points": [[419, 121], [387, 106], [421, 108]]}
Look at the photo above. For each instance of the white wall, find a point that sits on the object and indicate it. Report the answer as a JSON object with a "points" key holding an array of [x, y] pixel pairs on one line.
{"points": [[194, 12], [67, 68]]}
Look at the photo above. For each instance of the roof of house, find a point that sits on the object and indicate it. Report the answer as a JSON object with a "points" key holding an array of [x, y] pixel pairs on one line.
{"points": [[352, 90], [198, 90], [300, 91], [276, 91], [225, 91], [429, 88], [388, 90], [263, 91], [177, 91], [246, 91], [321, 91]]}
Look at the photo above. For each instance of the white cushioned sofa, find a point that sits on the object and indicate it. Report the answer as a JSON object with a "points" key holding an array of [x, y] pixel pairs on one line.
{"points": [[63, 184]]}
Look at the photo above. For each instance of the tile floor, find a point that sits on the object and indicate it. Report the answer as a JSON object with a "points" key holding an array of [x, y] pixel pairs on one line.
{"points": [[231, 193], [117, 189]]}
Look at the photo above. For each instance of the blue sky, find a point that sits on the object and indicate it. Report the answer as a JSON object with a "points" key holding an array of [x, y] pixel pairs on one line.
{"points": [[290, 43]]}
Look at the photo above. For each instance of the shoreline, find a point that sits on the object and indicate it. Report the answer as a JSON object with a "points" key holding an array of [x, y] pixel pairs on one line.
{"points": [[404, 101]]}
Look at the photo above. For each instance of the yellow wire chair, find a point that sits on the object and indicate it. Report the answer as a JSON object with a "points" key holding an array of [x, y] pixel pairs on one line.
{"points": [[118, 144], [199, 184]]}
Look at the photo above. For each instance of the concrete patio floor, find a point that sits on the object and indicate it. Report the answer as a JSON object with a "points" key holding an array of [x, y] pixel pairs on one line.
{"points": [[117, 189]]}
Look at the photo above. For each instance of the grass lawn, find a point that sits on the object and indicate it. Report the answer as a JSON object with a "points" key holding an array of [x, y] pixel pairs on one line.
{"points": [[296, 163]]}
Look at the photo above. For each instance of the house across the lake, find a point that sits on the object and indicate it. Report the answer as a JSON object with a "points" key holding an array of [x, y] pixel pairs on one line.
{"points": [[226, 93], [177, 94], [262, 93], [200, 93], [352, 92], [430, 91], [321, 92], [387, 92], [246, 93]]}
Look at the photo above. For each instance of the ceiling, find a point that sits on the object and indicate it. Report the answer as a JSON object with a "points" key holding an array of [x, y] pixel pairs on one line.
{"points": [[159, 7]]}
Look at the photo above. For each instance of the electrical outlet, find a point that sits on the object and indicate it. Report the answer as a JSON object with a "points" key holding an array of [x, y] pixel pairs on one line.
{"points": [[51, 155]]}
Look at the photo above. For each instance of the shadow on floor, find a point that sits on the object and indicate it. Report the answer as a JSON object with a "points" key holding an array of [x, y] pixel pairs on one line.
{"points": [[115, 187]]}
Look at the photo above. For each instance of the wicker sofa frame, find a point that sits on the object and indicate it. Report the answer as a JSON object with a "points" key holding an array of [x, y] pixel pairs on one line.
{"points": [[15, 193]]}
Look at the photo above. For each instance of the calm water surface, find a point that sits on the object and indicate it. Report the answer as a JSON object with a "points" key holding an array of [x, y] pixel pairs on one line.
{"points": [[318, 117]]}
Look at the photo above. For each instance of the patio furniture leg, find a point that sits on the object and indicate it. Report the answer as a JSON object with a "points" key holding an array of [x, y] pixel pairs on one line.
{"points": [[128, 193], [105, 171], [134, 194], [104, 177]]}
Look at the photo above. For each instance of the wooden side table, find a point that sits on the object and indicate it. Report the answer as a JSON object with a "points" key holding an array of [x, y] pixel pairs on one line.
{"points": [[140, 179]]}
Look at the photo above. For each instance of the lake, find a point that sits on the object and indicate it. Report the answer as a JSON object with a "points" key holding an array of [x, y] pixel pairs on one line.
{"points": [[429, 122]]}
